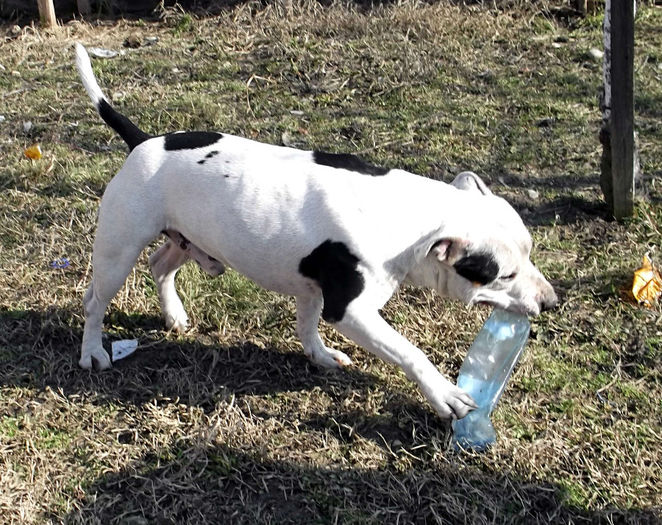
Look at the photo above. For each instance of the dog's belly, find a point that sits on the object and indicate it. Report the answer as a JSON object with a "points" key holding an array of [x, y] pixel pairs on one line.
{"points": [[274, 271], [264, 253]]}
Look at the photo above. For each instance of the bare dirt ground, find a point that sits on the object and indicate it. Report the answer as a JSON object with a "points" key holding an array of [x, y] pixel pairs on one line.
{"points": [[230, 423]]}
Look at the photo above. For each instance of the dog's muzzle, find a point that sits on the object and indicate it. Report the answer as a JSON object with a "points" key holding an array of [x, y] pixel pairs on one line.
{"points": [[548, 300]]}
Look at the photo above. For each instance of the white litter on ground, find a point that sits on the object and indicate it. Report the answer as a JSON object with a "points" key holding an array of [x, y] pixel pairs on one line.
{"points": [[123, 348]]}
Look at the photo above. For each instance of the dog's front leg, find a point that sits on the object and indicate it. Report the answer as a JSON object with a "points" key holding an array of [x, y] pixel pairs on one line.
{"points": [[367, 328], [309, 309]]}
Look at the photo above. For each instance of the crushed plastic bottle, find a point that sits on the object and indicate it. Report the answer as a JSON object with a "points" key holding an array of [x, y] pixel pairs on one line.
{"points": [[484, 374]]}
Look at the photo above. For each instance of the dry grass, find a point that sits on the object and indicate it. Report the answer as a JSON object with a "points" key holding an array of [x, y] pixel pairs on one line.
{"points": [[230, 423]]}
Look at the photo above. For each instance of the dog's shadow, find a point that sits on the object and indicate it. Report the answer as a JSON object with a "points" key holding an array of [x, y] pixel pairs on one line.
{"points": [[40, 350]]}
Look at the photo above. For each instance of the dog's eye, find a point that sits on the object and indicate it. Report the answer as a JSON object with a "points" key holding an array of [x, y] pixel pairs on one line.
{"points": [[509, 277]]}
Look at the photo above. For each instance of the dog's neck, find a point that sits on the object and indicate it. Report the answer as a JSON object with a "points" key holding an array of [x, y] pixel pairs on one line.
{"points": [[428, 273]]}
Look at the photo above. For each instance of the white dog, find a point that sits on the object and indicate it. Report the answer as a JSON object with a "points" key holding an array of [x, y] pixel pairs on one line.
{"points": [[338, 234]]}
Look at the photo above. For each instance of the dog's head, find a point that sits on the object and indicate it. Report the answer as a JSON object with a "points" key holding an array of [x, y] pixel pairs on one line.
{"points": [[488, 260]]}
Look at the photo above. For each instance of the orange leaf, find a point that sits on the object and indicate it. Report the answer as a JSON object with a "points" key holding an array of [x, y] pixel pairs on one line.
{"points": [[33, 152], [647, 283]]}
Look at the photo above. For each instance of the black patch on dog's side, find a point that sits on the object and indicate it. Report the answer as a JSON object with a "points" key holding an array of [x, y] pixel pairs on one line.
{"points": [[478, 268], [191, 140], [333, 267], [347, 162]]}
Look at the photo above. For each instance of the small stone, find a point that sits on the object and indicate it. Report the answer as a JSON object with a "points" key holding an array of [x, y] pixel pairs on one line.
{"points": [[596, 54], [27, 126], [532, 194]]}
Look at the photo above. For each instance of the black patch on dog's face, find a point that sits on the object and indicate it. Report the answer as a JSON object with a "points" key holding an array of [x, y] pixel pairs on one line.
{"points": [[191, 140], [347, 162], [333, 267], [208, 156], [478, 268]]}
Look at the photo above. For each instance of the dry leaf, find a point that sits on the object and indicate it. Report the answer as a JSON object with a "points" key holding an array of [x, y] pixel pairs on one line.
{"points": [[647, 283], [33, 152]]}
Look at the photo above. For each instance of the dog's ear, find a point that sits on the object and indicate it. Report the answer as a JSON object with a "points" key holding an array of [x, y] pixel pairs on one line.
{"points": [[469, 181], [480, 267], [449, 251]]}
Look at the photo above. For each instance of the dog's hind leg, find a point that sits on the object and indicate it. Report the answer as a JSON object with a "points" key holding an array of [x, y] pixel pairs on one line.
{"points": [[124, 228], [111, 262], [164, 264], [309, 309]]}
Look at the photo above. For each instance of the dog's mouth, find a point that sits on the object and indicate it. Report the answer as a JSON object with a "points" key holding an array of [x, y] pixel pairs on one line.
{"points": [[513, 308], [488, 304]]}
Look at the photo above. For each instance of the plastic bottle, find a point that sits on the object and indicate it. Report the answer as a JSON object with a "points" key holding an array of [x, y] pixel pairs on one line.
{"points": [[484, 374]]}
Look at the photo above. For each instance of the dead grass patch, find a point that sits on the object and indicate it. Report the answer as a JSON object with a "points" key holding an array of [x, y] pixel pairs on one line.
{"points": [[230, 423]]}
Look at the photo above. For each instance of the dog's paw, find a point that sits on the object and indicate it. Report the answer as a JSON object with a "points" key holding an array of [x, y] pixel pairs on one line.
{"points": [[328, 358], [96, 358], [177, 323], [454, 403]]}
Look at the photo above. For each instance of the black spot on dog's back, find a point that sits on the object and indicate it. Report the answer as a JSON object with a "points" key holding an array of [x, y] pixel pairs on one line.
{"points": [[478, 268], [347, 162], [208, 156], [191, 140], [334, 268]]}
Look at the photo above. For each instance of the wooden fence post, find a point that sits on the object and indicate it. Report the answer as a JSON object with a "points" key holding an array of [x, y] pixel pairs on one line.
{"points": [[617, 134], [622, 106], [47, 13]]}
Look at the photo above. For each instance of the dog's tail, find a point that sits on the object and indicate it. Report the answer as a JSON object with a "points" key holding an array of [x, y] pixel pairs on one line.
{"points": [[126, 129]]}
